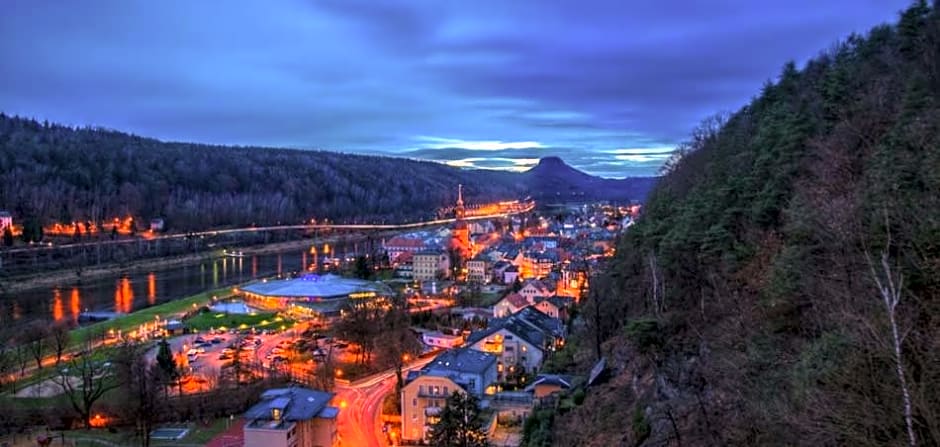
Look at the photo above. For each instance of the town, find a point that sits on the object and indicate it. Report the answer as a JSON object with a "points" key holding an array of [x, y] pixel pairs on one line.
{"points": [[364, 349]]}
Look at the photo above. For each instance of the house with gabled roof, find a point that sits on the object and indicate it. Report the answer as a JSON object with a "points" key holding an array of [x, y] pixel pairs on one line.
{"points": [[534, 288], [554, 306], [425, 392], [509, 305], [292, 416], [521, 340]]}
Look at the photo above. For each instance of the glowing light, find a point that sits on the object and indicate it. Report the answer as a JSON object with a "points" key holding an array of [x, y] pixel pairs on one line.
{"points": [[151, 289], [58, 313]]}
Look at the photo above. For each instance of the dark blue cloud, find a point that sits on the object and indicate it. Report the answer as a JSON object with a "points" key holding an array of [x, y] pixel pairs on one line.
{"points": [[491, 84]]}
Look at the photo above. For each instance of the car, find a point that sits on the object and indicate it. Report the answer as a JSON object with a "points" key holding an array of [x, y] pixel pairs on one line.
{"points": [[192, 358], [277, 350], [199, 340], [258, 342], [225, 357], [340, 345], [228, 351], [200, 349], [193, 351], [217, 340]]}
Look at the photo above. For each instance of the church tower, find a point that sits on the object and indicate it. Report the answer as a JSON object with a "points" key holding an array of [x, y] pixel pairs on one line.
{"points": [[460, 235]]}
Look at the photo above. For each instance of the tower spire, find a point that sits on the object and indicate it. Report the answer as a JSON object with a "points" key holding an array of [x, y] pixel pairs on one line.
{"points": [[459, 209]]}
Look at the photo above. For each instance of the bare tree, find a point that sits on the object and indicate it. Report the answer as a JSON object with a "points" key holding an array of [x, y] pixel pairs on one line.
{"points": [[140, 382], [890, 285], [60, 339], [657, 286], [36, 338], [84, 381]]}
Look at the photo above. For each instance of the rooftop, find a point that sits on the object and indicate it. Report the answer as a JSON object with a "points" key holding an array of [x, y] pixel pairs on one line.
{"points": [[313, 286], [461, 360], [516, 300], [295, 404]]}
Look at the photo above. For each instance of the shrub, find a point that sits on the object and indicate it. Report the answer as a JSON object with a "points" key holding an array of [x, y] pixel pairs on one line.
{"points": [[644, 332]]}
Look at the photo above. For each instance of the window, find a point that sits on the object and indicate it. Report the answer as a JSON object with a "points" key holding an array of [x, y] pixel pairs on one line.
{"points": [[421, 389], [445, 392], [414, 402], [509, 348], [509, 337]]}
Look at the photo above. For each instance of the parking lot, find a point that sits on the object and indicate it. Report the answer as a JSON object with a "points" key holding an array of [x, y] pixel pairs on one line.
{"points": [[208, 354]]}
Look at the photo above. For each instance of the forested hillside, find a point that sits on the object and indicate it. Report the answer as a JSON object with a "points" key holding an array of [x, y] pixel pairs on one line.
{"points": [[55, 173], [783, 286]]}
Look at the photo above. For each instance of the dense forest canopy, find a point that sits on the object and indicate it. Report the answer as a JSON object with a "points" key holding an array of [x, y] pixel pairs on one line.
{"points": [[788, 265], [56, 173]]}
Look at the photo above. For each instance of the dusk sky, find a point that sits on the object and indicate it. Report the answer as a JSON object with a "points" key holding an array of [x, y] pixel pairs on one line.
{"points": [[610, 86]]}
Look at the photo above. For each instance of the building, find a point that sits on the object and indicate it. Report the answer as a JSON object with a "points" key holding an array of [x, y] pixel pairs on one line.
{"points": [[522, 340], [430, 265], [509, 305], [538, 264], [511, 274], [546, 242], [289, 417], [156, 225], [548, 384], [533, 289], [6, 221], [405, 266], [439, 339], [478, 270], [397, 246], [323, 295], [553, 306], [425, 393]]}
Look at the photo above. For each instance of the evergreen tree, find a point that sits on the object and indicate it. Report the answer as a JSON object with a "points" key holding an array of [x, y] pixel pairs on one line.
{"points": [[459, 425], [165, 360]]}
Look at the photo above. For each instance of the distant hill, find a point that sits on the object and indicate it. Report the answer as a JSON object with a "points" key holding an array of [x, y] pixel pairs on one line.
{"points": [[55, 173], [783, 284], [554, 180]]}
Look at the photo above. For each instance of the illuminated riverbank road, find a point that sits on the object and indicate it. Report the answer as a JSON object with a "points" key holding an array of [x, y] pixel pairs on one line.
{"points": [[147, 236]]}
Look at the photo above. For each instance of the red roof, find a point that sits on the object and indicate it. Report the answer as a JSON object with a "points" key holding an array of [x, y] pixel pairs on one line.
{"points": [[516, 300], [404, 242], [407, 256]]}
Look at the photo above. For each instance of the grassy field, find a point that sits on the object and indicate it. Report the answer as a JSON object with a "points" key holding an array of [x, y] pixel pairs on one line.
{"points": [[210, 320], [199, 434], [133, 320]]}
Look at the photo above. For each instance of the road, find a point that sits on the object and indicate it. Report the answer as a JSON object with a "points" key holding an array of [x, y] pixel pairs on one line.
{"points": [[359, 420], [526, 207]]}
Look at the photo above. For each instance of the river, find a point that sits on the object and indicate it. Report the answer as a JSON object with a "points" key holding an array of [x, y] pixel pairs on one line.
{"points": [[129, 292]]}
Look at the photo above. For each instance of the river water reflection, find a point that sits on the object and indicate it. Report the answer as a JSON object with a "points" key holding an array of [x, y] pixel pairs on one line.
{"points": [[126, 293]]}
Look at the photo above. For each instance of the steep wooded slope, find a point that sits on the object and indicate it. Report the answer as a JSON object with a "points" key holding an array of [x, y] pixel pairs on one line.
{"points": [[746, 307]]}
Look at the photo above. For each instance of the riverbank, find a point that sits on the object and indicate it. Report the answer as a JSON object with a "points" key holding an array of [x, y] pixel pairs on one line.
{"points": [[67, 276], [126, 323]]}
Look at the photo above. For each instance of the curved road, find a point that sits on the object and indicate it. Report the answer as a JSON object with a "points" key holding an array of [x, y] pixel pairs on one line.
{"points": [[359, 422]]}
